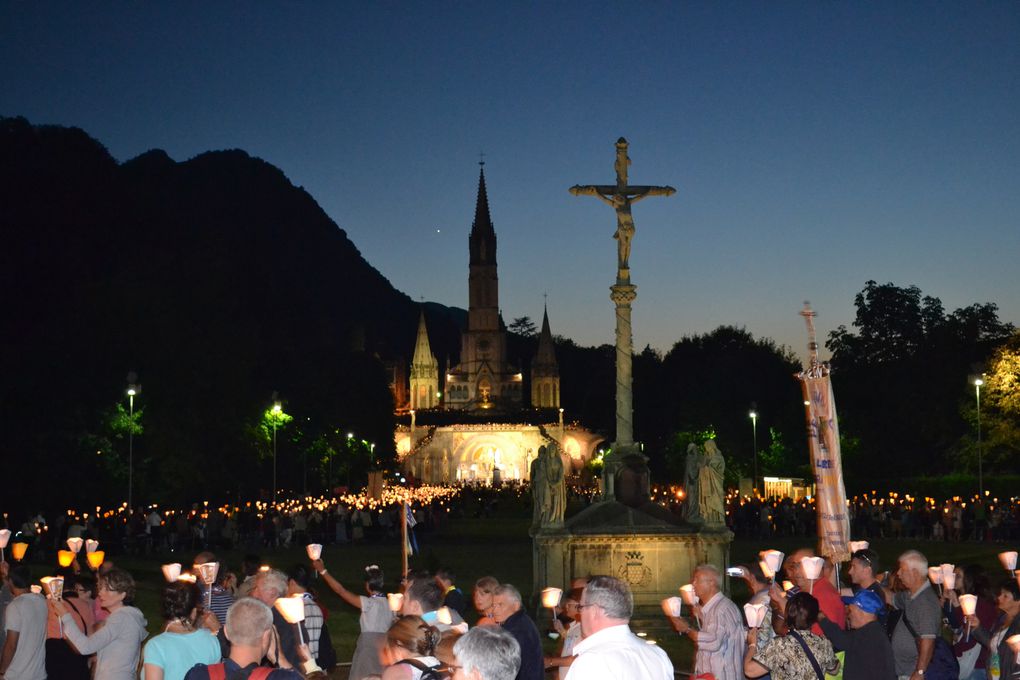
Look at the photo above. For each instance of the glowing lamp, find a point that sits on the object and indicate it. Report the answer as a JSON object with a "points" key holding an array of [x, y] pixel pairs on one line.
{"points": [[75, 544], [812, 567], [1008, 560], [264, 568], [1014, 643], [36, 590], [551, 597], [787, 586], [5, 537], [209, 570], [859, 545], [172, 572], [187, 578], [968, 603], [755, 614], [688, 594], [949, 580], [314, 551], [54, 586], [292, 608], [774, 560], [95, 559], [443, 616], [935, 574], [765, 569], [91, 546], [18, 551], [673, 605], [396, 601]]}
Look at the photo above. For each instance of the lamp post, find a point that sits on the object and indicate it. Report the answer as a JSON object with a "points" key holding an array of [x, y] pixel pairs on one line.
{"points": [[754, 441], [276, 411], [978, 382], [132, 390]]}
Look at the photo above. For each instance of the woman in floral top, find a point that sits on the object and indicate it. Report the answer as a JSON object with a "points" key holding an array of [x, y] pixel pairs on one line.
{"points": [[784, 657]]}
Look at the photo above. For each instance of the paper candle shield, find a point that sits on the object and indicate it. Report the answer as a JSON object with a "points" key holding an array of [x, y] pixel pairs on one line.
{"points": [[1008, 560], [35, 589], [774, 560], [787, 585], [75, 544], [812, 567], [859, 545], [949, 580], [755, 614], [187, 578], [172, 572], [687, 593], [65, 558], [396, 601], [209, 571], [5, 536], [1014, 643], [292, 608], [18, 551], [935, 574], [968, 603], [54, 586], [947, 569], [96, 558], [314, 551], [91, 546], [674, 605], [443, 616], [551, 597], [765, 569]]}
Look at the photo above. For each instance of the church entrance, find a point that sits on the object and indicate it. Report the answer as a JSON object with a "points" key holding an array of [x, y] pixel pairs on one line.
{"points": [[490, 460]]}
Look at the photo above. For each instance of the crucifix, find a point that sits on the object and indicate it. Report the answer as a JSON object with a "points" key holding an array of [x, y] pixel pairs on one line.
{"points": [[620, 197]]}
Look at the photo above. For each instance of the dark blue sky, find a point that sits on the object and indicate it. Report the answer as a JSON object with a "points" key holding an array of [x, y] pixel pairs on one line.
{"points": [[813, 145]]}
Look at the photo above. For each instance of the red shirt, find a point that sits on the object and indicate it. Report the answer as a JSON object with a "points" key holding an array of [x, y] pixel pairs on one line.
{"points": [[830, 604]]}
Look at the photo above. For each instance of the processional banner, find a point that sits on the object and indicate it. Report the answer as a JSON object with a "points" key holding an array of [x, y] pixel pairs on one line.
{"points": [[823, 441]]}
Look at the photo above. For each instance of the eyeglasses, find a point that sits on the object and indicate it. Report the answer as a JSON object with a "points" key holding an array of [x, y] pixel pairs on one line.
{"points": [[582, 607]]}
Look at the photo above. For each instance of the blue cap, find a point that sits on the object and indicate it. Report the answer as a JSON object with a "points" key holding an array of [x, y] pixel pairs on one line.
{"points": [[867, 600]]}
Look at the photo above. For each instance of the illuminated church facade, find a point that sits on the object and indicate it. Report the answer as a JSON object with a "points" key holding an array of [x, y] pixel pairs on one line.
{"points": [[484, 383]]}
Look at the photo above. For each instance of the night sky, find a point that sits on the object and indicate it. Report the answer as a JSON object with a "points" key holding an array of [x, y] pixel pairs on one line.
{"points": [[813, 145]]}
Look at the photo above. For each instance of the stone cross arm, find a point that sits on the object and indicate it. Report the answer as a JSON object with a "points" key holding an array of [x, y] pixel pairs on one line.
{"points": [[634, 193]]}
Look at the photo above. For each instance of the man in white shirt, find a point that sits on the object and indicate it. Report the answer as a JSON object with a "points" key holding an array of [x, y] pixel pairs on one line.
{"points": [[722, 637], [24, 651], [609, 651]]}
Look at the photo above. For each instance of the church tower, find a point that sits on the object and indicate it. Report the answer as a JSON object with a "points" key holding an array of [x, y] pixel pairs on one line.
{"points": [[424, 371], [482, 380], [545, 372]]}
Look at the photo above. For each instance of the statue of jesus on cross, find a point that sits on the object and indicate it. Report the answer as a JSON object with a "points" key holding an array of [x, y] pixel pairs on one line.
{"points": [[621, 196]]}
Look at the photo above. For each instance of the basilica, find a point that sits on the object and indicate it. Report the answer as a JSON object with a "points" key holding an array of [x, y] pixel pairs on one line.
{"points": [[491, 445]]}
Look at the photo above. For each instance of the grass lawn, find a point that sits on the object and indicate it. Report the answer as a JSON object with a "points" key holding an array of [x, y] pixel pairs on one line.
{"points": [[497, 546]]}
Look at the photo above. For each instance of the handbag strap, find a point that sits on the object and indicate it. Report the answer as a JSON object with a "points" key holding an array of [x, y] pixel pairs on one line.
{"points": [[811, 657]]}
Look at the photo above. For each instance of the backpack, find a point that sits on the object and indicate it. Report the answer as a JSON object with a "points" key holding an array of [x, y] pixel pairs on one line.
{"points": [[427, 672], [218, 671]]}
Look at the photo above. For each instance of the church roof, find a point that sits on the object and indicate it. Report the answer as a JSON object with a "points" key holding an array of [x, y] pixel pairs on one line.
{"points": [[483, 221], [546, 355], [422, 351]]}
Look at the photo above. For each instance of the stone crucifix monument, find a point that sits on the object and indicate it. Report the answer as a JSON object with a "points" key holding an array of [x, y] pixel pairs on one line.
{"points": [[620, 197]]}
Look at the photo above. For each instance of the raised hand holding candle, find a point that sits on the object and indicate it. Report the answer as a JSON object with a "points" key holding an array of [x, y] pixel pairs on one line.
{"points": [[812, 568], [968, 603]]}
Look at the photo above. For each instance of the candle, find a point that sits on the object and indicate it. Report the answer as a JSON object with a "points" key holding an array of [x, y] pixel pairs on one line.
{"points": [[673, 605], [812, 567], [755, 614], [1008, 560], [688, 594], [65, 558], [5, 536], [935, 574], [774, 560], [75, 544], [787, 585], [91, 546], [172, 572], [208, 572], [443, 616], [54, 586], [95, 559], [1014, 643], [18, 551], [551, 597], [37, 590], [292, 608], [968, 604], [314, 551], [187, 578], [396, 601], [859, 545]]}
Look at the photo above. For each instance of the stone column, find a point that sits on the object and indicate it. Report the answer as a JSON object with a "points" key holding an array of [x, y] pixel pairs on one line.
{"points": [[624, 293]]}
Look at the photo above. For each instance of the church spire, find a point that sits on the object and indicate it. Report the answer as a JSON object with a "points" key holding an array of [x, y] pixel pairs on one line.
{"points": [[545, 372], [483, 233], [424, 370], [422, 351], [546, 355]]}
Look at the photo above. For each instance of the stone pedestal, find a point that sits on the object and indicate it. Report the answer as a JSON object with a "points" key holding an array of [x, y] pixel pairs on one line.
{"points": [[649, 548]]}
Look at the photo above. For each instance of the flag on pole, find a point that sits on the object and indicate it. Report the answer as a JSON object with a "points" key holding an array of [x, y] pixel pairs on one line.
{"points": [[411, 523], [826, 459]]}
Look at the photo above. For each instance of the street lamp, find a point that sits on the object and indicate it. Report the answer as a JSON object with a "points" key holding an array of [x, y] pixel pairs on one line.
{"points": [[978, 382], [132, 390], [754, 434], [277, 410]]}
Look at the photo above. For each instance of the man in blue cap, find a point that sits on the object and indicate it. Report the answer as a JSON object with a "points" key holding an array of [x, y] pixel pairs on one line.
{"points": [[869, 655]]}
